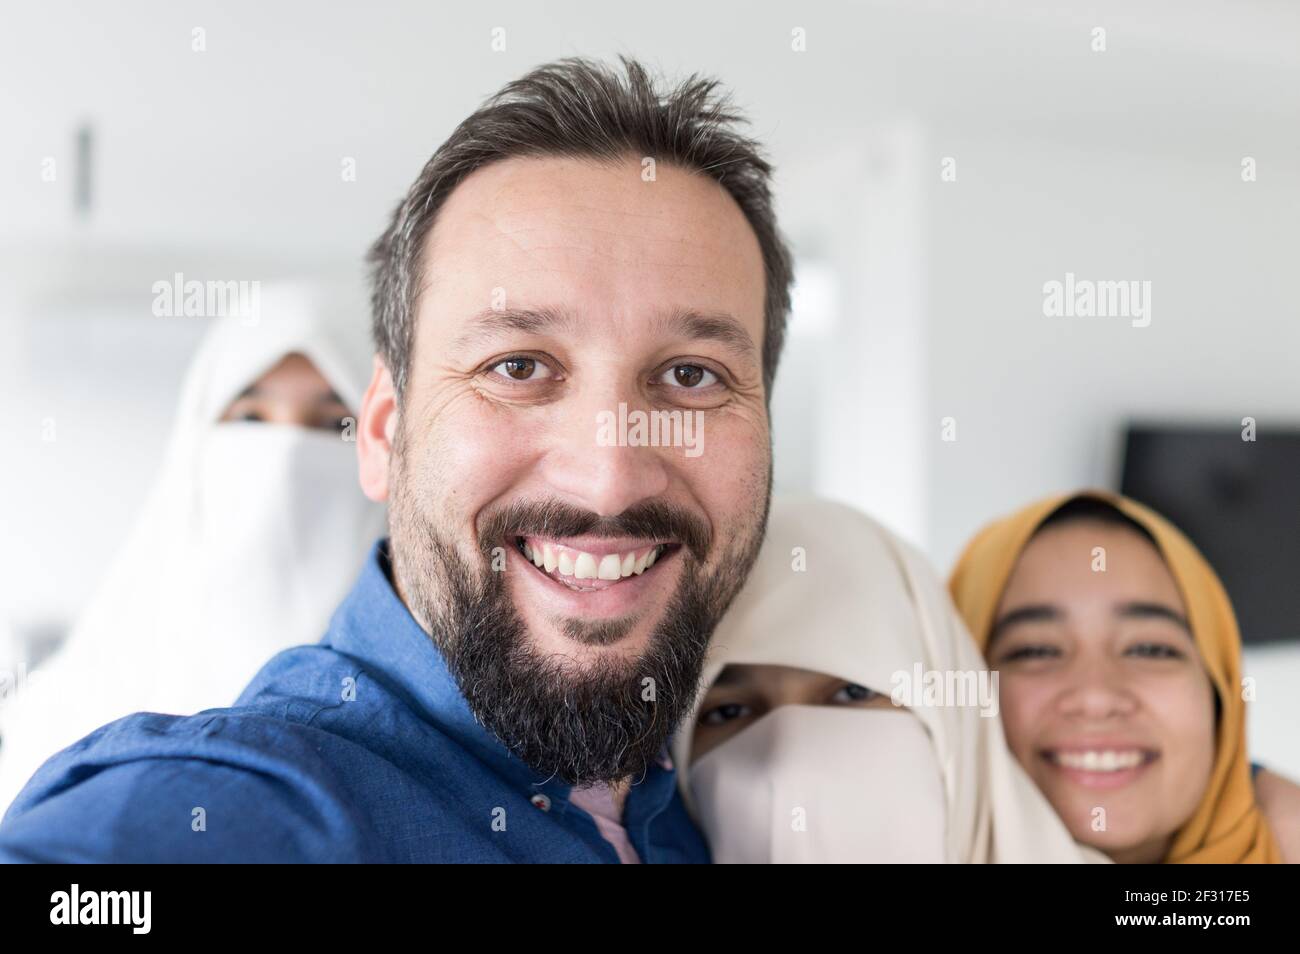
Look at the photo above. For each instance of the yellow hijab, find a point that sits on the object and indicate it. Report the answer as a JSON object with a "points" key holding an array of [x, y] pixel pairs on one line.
{"points": [[1228, 826]]}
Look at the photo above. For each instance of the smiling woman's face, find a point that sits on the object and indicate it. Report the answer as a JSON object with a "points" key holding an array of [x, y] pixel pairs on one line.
{"points": [[743, 694], [1105, 700]]}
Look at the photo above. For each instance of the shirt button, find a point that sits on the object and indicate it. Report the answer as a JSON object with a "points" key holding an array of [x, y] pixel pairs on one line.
{"points": [[541, 801]]}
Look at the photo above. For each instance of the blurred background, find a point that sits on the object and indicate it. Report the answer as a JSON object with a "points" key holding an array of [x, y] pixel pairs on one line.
{"points": [[938, 164]]}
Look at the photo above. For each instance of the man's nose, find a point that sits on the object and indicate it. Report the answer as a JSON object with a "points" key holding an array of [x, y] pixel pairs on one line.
{"points": [[595, 460]]}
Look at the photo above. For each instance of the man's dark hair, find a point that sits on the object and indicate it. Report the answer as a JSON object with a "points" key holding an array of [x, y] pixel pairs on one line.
{"points": [[581, 108]]}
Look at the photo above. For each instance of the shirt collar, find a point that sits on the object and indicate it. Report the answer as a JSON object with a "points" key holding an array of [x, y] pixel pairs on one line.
{"points": [[376, 627]]}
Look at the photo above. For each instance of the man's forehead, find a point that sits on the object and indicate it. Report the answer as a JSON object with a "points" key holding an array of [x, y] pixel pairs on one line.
{"points": [[559, 191], [555, 230]]}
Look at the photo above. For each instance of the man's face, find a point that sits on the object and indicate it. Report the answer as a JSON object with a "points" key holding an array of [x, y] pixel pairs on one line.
{"points": [[563, 297]]}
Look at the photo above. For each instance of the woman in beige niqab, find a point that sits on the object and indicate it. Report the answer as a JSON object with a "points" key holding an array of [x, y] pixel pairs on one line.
{"points": [[835, 593]]}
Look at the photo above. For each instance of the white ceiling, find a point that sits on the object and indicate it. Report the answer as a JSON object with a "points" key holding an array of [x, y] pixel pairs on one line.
{"points": [[240, 147]]}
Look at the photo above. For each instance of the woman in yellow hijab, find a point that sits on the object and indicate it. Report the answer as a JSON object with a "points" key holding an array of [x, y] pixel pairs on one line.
{"points": [[1120, 671]]}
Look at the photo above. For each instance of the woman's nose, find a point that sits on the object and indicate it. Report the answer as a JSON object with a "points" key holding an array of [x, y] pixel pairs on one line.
{"points": [[1097, 690]]}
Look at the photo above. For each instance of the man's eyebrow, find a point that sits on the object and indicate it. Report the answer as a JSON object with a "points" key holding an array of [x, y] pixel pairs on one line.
{"points": [[491, 322], [688, 323], [1139, 609], [1034, 613], [710, 326]]}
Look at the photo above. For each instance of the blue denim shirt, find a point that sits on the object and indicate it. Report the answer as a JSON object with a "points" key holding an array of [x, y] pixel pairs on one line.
{"points": [[359, 748]]}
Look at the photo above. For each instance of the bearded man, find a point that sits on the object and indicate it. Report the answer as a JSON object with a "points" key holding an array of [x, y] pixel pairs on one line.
{"points": [[503, 680]]}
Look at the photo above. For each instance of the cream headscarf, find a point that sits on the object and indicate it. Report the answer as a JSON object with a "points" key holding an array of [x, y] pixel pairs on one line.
{"points": [[868, 606], [1227, 827], [195, 602]]}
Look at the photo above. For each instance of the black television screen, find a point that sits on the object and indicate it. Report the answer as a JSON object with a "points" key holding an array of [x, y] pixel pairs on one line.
{"points": [[1239, 502]]}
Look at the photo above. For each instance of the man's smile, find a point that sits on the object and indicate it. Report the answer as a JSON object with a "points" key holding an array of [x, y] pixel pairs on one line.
{"points": [[596, 579], [595, 565]]}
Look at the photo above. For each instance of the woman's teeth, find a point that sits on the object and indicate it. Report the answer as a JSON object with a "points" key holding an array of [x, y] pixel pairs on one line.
{"points": [[580, 565], [1101, 760]]}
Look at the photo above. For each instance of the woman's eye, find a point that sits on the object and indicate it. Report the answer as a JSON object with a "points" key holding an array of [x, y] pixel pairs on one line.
{"points": [[689, 376], [852, 692], [249, 416], [724, 713], [1154, 651], [1031, 652], [522, 369]]}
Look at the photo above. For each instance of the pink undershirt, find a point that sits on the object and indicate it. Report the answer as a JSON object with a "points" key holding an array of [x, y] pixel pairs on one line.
{"points": [[598, 802]]}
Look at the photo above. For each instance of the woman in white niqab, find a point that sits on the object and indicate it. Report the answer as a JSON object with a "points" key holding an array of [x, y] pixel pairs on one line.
{"points": [[827, 780], [252, 535]]}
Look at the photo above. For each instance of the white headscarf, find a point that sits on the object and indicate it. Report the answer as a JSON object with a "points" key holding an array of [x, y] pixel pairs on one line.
{"points": [[252, 535], [864, 607]]}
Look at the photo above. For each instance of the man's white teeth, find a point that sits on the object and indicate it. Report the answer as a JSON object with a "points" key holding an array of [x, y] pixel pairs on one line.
{"points": [[611, 567], [1107, 760], [587, 566]]}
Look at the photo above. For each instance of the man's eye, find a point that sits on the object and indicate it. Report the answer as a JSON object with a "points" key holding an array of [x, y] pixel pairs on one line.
{"points": [[1154, 651], [724, 713], [851, 692], [522, 369], [1031, 652], [690, 376]]}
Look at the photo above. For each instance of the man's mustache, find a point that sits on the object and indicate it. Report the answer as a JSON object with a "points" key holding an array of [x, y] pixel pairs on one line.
{"points": [[652, 518]]}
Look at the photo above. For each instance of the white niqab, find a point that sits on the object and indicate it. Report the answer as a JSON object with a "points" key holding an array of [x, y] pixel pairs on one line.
{"points": [[251, 536]]}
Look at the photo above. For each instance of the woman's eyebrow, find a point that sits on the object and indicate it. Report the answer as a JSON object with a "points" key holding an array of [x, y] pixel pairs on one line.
{"points": [[1033, 613], [733, 676], [328, 397], [320, 398], [1140, 609]]}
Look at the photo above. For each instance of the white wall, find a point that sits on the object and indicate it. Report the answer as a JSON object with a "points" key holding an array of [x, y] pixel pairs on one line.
{"points": [[1039, 401]]}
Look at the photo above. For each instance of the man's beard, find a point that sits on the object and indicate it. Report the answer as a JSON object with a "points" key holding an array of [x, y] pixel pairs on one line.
{"points": [[611, 719]]}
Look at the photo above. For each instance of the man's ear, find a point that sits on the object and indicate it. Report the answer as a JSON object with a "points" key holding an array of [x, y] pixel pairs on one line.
{"points": [[375, 433]]}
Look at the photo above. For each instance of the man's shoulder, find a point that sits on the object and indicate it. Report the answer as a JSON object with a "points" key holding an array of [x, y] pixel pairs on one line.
{"points": [[239, 784], [321, 759], [274, 777]]}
